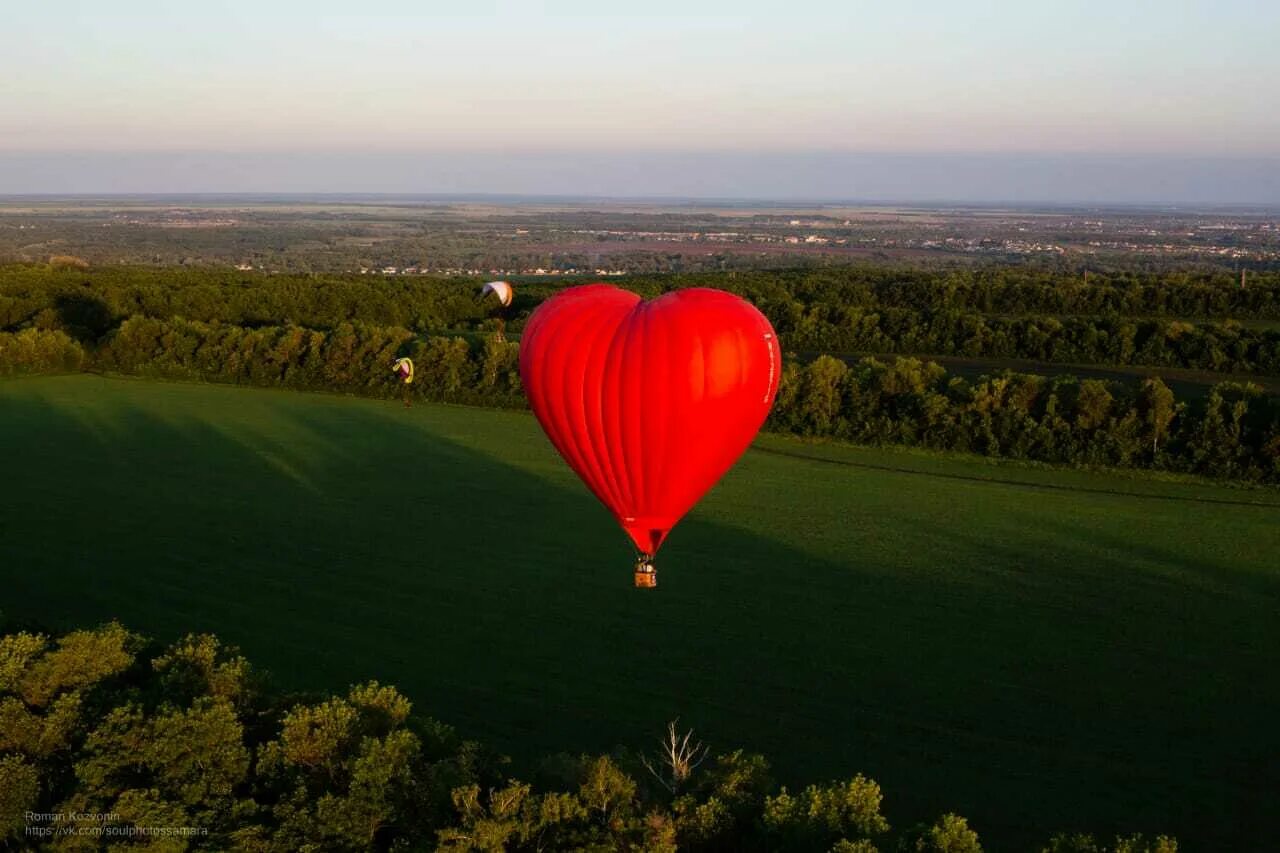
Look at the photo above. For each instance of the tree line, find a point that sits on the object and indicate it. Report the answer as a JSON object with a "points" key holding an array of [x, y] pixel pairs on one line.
{"points": [[105, 734], [1234, 432], [351, 359], [1225, 346], [90, 303], [1120, 319], [424, 303], [1006, 289]]}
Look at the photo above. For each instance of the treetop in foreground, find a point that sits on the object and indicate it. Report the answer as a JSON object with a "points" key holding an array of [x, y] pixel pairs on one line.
{"points": [[108, 739]]}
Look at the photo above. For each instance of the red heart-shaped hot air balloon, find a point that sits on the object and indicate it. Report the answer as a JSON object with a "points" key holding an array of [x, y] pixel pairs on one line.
{"points": [[650, 403]]}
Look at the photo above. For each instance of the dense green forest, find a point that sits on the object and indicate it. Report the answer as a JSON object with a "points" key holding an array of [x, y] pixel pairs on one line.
{"points": [[1002, 313], [338, 334], [107, 737], [1072, 340], [425, 303]]}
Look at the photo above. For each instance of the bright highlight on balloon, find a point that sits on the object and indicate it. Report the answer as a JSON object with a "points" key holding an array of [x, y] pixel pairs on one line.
{"points": [[650, 403]]}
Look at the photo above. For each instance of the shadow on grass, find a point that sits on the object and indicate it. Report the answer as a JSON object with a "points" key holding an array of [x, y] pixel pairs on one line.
{"points": [[338, 540], [1154, 667]]}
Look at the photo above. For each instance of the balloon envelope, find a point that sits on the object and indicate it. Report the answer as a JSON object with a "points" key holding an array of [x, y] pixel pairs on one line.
{"points": [[502, 289], [650, 403]]}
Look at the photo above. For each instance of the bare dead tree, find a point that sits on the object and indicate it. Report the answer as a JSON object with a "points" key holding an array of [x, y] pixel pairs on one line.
{"points": [[678, 756]]}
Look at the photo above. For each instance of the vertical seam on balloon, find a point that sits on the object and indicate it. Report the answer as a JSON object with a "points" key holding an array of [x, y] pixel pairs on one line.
{"points": [[636, 328], [603, 462], [636, 446], [639, 481], [606, 457], [652, 458], [656, 373], [642, 489], [615, 363], [586, 449], [555, 423], [701, 338], [612, 497], [629, 419]]}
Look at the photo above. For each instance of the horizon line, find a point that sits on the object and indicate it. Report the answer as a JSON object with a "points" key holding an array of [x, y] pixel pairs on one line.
{"points": [[683, 200]]}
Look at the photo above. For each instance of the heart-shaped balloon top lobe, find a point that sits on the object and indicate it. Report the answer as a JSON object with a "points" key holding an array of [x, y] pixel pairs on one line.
{"points": [[650, 403]]}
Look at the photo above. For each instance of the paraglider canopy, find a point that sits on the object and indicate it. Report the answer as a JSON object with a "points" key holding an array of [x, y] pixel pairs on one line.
{"points": [[403, 368], [501, 289]]}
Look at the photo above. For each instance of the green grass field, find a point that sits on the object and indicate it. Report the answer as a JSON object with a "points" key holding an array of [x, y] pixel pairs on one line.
{"points": [[1035, 649]]}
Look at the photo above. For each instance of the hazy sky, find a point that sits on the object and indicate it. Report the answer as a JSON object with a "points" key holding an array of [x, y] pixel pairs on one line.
{"points": [[1169, 96]]}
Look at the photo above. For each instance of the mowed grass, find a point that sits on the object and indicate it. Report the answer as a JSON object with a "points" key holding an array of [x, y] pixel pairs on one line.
{"points": [[1035, 649]]}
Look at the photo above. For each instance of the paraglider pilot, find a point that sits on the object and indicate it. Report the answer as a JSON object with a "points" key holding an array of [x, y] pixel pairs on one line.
{"points": [[505, 293], [403, 368]]}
